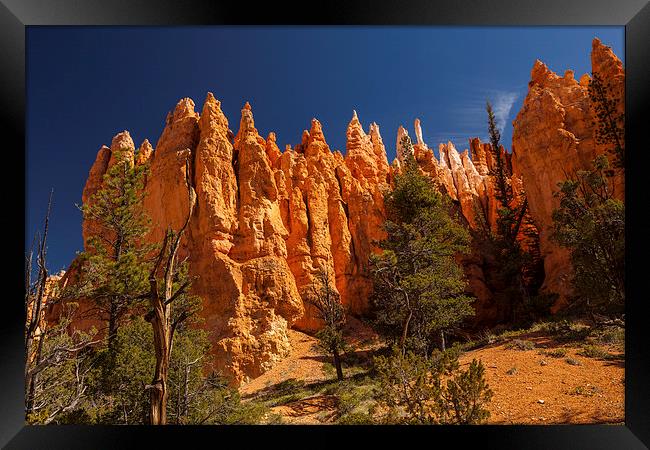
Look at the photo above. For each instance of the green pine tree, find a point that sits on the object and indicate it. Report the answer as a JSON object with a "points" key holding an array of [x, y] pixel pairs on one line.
{"points": [[115, 265], [591, 224], [507, 259], [419, 288]]}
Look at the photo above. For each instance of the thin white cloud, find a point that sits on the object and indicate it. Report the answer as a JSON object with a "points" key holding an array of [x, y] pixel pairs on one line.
{"points": [[470, 116], [502, 105]]}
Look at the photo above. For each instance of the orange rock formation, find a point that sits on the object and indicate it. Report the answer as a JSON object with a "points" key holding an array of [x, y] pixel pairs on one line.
{"points": [[266, 221], [553, 136]]}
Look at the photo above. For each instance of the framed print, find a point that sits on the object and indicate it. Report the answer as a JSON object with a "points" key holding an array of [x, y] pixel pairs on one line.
{"points": [[242, 222]]}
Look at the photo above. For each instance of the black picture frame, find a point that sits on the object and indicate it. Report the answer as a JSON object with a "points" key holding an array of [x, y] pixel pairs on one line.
{"points": [[16, 15]]}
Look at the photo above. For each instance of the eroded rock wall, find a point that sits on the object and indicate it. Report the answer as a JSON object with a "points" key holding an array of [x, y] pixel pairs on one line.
{"points": [[554, 136], [267, 221]]}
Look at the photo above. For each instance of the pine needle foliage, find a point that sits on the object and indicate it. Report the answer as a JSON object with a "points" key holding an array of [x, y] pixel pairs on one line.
{"points": [[590, 222], [419, 287]]}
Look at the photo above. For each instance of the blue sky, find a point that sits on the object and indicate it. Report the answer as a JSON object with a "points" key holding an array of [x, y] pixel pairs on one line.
{"points": [[86, 84]]}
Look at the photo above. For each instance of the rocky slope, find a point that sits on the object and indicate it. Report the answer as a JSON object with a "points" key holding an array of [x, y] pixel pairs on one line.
{"points": [[266, 220]]}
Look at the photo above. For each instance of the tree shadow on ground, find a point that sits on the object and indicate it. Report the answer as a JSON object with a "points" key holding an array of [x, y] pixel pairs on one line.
{"points": [[293, 386], [352, 359], [614, 360]]}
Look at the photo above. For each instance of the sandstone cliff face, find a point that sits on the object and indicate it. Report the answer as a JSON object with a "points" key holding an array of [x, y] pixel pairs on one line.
{"points": [[606, 64], [267, 221], [553, 136], [333, 209]]}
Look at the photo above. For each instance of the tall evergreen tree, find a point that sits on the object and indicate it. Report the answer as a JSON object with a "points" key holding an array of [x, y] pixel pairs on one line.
{"points": [[418, 285], [116, 263], [500, 171], [510, 216], [509, 261]]}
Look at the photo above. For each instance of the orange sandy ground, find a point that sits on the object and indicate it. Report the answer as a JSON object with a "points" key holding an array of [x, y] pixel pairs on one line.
{"points": [[517, 397]]}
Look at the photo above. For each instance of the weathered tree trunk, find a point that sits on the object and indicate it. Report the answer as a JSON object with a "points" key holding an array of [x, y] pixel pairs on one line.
{"points": [[161, 337], [337, 364], [160, 323], [33, 307], [33, 379], [160, 316], [443, 344]]}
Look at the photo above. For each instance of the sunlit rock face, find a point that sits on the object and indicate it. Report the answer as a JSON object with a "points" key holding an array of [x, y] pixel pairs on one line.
{"points": [[554, 136], [267, 221]]}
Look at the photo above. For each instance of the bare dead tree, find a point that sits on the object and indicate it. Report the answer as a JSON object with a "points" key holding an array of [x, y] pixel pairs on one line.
{"points": [[34, 299], [184, 396], [331, 311], [161, 298], [38, 355], [60, 348]]}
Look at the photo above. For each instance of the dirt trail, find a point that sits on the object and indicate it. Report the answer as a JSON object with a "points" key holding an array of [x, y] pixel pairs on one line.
{"points": [[529, 387], [305, 362]]}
